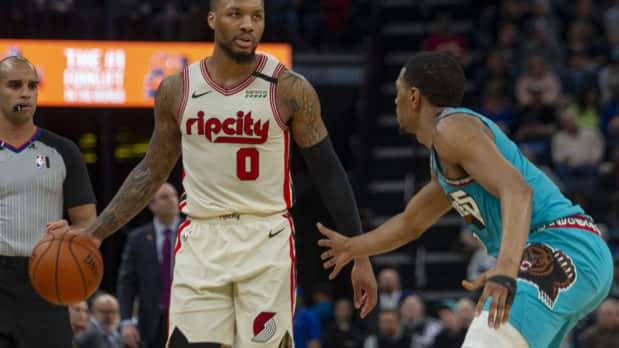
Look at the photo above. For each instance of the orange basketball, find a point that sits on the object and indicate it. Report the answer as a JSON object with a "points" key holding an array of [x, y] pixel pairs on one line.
{"points": [[65, 269]]}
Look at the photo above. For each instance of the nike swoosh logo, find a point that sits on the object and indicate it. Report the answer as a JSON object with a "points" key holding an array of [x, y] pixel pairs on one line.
{"points": [[273, 234], [195, 95]]}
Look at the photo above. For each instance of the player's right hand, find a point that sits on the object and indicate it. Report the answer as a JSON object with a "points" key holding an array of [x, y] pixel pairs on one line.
{"points": [[85, 232], [130, 336], [338, 253]]}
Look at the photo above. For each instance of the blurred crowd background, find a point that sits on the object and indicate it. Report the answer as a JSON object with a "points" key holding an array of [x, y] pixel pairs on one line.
{"points": [[546, 70]]}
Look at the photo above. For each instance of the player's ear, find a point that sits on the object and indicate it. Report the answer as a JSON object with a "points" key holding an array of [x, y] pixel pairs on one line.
{"points": [[211, 19]]}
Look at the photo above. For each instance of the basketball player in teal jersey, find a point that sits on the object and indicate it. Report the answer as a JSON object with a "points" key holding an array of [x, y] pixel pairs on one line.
{"points": [[552, 267]]}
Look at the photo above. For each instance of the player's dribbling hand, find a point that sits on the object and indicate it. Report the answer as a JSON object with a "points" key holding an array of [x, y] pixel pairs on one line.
{"points": [[502, 299], [338, 254], [88, 234], [57, 227]]}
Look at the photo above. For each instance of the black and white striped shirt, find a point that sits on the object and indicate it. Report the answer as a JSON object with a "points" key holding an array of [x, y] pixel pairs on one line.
{"points": [[39, 180]]}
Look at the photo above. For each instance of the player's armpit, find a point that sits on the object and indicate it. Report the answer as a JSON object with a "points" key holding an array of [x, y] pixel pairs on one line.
{"points": [[145, 179], [301, 109]]}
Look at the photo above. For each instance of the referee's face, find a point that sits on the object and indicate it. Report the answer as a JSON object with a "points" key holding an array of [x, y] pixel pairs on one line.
{"points": [[19, 91]]}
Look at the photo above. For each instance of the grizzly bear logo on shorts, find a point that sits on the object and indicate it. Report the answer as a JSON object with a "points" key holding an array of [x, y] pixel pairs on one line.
{"points": [[550, 270]]}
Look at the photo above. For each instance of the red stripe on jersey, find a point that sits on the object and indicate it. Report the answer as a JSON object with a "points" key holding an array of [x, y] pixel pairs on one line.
{"points": [[236, 88], [185, 95], [293, 259], [273, 99], [178, 236], [287, 170], [182, 205]]}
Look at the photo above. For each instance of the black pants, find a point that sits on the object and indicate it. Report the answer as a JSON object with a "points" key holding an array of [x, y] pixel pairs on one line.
{"points": [[160, 338], [26, 320]]}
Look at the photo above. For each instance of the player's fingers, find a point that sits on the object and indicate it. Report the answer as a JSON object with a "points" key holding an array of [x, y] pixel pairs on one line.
{"points": [[329, 263], [327, 254], [474, 285], [506, 311], [327, 243], [500, 309], [323, 230], [369, 303], [481, 302], [357, 294], [335, 272]]}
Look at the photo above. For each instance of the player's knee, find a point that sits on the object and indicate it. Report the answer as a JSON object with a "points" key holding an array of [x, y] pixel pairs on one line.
{"points": [[286, 341], [178, 340]]}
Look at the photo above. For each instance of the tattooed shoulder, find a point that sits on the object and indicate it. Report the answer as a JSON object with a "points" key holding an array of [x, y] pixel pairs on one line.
{"points": [[301, 108]]}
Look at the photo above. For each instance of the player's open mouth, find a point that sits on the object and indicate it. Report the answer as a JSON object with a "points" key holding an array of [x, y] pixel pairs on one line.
{"points": [[22, 107]]}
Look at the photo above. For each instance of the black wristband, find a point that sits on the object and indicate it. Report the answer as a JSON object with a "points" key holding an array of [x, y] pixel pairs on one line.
{"points": [[509, 283]]}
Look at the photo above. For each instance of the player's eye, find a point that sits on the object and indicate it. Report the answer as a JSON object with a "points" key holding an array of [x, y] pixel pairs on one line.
{"points": [[15, 84], [258, 17], [33, 85]]}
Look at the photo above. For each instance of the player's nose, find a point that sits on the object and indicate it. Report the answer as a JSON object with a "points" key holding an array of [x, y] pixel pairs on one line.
{"points": [[247, 24]]}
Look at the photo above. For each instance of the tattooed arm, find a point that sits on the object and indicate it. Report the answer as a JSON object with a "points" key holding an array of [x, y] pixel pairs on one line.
{"points": [[300, 108], [146, 178]]}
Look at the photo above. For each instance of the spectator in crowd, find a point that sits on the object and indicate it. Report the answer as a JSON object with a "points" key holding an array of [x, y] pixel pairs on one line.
{"points": [[610, 114], [390, 293], [538, 82], [102, 331], [443, 39], [416, 324], [307, 329], [608, 77], [543, 29], [578, 74], [611, 21], [495, 77], [322, 303], [507, 45], [343, 331], [577, 153], [79, 317], [495, 106], [145, 273], [390, 333], [605, 333], [453, 332], [585, 109]]}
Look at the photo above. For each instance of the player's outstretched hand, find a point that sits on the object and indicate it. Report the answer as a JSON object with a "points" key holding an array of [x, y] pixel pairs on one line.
{"points": [[501, 288], [337, 254]]}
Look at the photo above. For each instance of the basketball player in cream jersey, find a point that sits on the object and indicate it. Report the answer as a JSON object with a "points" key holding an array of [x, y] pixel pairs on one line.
{"points": [[232, 116]]}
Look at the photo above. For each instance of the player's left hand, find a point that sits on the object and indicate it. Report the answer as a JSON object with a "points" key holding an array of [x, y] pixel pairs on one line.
{"points": [[364, 286], [501, 288], [57, 227]]}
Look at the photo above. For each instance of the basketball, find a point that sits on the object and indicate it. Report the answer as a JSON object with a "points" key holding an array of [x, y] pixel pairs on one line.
{"points": [[65, 269]]}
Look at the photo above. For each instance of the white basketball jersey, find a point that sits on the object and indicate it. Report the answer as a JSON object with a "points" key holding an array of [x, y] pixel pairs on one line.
{"points": [[235, 146]]}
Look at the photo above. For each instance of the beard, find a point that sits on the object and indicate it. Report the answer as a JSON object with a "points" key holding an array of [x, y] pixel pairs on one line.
{"points": [[239, 57]]}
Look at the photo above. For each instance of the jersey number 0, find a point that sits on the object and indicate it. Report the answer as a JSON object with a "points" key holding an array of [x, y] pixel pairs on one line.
{"points": [[247, 163]]}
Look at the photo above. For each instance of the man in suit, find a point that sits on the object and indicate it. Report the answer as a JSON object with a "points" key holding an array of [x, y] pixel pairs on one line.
{"points": [[146, 272], [102, 331]]}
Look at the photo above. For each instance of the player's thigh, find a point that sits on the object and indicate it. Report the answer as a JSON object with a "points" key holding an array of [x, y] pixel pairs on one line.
{"points": [[479, 335], [264, 302], [201, 316], [201, 303]]}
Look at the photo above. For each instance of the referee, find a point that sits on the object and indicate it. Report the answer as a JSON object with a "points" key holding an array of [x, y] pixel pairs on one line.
{"points": [[42, 177]]}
